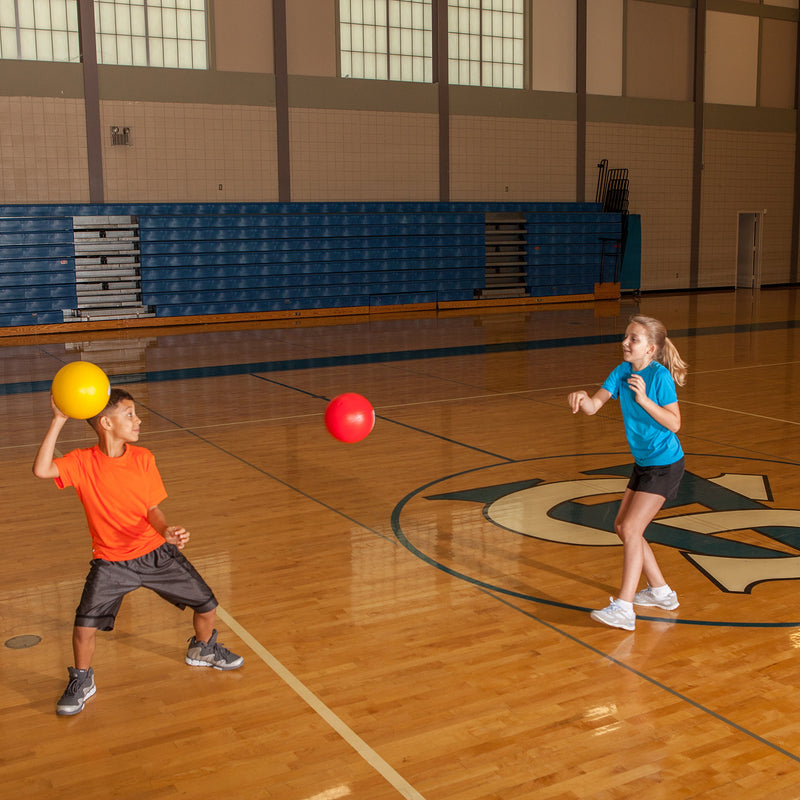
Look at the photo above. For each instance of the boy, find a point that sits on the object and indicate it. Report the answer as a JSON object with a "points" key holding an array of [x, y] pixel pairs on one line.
{"points": [[132, 544]]}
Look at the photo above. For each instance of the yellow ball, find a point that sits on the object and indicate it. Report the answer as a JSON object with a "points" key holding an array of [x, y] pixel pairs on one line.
{"points": [[80, 389]]}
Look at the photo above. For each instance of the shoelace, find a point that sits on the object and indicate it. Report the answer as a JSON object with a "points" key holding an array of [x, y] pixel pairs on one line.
{"points": [[220, 651], [73, 686], [614, 606]]}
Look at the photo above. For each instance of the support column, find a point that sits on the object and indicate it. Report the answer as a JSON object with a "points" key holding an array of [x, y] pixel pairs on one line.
{"points": [[91, 99], [580, 94], [282, 101], [441, 78], [795, 251], [699, 136]]}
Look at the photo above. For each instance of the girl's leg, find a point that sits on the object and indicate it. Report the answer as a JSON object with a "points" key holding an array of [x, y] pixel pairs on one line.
{"points": [[636, 512], [652, 572]]}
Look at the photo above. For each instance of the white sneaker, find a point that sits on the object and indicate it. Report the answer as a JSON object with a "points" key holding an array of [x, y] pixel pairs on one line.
{"points": [[615, 616], [647, 597]]}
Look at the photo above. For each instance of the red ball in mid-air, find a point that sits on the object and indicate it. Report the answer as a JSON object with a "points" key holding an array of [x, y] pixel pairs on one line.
{"points": [[349, 417]]}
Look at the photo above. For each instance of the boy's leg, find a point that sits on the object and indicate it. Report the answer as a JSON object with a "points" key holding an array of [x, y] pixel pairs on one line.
{"points": [[84, 641], [204, 624], [204, 649], [81, 677], [105, 586], [211, 654], [171, 575]]}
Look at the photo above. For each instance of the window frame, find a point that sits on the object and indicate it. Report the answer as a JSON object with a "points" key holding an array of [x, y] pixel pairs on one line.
{"points": [[376, 14], [124, 32]]}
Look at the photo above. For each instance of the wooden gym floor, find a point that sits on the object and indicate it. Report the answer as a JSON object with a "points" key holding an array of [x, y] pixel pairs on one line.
{"points": [[413, 609]]}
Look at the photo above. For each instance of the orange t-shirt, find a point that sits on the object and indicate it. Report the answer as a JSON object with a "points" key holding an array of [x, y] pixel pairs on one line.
{"points": [[116, 494]]}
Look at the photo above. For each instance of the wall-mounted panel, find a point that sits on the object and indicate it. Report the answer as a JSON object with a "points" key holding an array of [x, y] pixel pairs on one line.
{"points": [[604, 47], [553, 38], [778, 49], [659, 51], [731, 59], [242, 36], [311, 38]]}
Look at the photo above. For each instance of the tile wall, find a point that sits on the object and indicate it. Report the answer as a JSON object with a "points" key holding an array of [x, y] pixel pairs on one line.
{"points": [[744, 172], [42, 150], [659, 164], [184, 152], [189, 152], [363, 155], [496, 159]]}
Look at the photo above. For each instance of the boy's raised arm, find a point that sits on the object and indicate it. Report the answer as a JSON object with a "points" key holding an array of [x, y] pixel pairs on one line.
{"points": [[43, 466]]}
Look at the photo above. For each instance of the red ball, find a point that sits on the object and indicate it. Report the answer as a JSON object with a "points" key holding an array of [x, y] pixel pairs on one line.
{"points": [[349, 417]]}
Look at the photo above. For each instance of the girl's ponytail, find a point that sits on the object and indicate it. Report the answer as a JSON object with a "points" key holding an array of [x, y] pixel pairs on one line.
{"points": [[672, 360], [666, 352]]}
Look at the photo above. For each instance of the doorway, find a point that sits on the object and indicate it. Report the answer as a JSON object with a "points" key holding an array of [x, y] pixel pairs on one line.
{"points": [[748, 251]]}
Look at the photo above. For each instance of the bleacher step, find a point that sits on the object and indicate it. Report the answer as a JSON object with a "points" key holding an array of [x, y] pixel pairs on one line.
{"points": [[107, 272], [506, 256]]}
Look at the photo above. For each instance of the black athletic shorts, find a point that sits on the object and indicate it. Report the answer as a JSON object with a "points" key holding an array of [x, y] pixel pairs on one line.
{"points": [[165, 570], [658, 480]]}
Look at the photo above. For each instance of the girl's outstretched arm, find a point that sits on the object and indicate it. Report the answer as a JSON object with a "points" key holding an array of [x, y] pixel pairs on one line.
{"points": [[580, 401]]}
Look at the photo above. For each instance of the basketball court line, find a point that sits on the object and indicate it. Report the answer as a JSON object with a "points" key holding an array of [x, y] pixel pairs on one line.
{"points": [[396, 356], [740, 413], [499, 592], [383, 768], [269, 475], [682, 697]]}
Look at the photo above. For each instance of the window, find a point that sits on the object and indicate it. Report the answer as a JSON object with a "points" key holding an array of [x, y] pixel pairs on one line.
{"points": [[39, 30], [386, 39], [392, 40], [486, 42], [152, 33]]}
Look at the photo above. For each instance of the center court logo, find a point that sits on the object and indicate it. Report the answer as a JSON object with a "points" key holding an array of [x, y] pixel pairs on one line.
{"points": [[543, 530]]}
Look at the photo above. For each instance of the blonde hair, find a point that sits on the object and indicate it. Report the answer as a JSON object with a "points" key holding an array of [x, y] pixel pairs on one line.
{"points": [[666, 352]]}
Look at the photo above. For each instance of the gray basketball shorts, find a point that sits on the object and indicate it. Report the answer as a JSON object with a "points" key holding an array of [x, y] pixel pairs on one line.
{"points": [[165, 570]]}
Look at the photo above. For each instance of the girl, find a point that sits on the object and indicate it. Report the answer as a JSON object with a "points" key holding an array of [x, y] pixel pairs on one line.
{"points": [[645, 384]]}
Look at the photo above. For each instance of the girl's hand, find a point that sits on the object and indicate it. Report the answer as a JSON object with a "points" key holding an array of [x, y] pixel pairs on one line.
{"points": [[575, 399], [638, 387], [177, 535]]}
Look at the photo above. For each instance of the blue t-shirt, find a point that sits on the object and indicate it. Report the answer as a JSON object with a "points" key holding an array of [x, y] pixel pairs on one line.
{"points": [[650, 442]]}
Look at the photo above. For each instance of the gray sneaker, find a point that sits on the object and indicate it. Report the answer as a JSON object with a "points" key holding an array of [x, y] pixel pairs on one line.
{"points": [[79, 689], [648, 598], [615, 616], [211, 654]]}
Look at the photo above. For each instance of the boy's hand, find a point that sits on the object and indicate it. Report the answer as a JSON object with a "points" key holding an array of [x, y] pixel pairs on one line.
{"points": [[177, 535], [57, 412]]}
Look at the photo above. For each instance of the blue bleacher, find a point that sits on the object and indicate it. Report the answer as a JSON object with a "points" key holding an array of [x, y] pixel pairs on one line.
{"points": [[37, 267], [227, 258]]}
